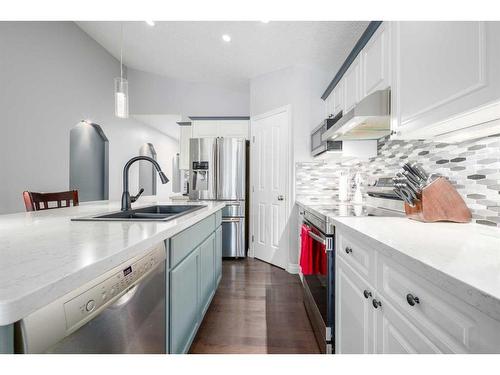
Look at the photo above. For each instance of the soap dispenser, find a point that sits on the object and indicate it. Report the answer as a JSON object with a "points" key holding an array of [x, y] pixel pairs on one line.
{"points": [[358, 194]]}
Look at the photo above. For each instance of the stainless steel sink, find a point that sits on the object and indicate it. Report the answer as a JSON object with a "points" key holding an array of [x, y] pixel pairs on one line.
{"points": [[150, 213]]}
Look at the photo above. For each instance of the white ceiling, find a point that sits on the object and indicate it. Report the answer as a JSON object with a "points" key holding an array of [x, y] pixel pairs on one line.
{"points": [[167, 124], [194, 50]]}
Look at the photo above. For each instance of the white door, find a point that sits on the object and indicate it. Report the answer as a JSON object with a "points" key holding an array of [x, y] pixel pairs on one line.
{"points": [[354, 323], [270, 165]]}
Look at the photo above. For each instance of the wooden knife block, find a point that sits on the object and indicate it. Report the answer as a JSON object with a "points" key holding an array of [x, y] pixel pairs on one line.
{"points": [[439, 201]]}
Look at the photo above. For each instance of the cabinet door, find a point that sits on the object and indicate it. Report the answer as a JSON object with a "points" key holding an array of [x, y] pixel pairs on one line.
{"points": [[354, 323], [352, 85], [218, 254], [184, 302], [205, 128], [338, 97], [376, 62], [443, 69], [207, 272], [230, 128], [184, 147], [396, 335]]}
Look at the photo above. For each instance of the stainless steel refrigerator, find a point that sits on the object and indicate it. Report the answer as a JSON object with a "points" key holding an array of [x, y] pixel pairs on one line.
{"points": [[217, 171]]}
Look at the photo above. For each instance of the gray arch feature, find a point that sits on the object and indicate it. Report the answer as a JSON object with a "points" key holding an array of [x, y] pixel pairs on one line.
{"points": [[147, 173], [89, 162]]}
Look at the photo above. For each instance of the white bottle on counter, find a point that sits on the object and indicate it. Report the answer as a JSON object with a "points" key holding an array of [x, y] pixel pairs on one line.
{"points": [[358, 194], [344, 185]]}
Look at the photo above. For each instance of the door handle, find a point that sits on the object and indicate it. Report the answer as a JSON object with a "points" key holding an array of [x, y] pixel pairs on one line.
{"points": [[281, 198]]}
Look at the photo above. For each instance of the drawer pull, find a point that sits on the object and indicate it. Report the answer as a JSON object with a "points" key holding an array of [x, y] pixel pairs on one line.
{"points": [[412, 300], [376, 303], [367, 294], [348, 250]]}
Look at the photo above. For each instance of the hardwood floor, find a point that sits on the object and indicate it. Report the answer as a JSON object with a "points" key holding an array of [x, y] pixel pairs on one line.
{"points": [[257, 308]]}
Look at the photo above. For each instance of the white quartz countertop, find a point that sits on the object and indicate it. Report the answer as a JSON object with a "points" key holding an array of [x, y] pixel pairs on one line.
{"points": [[44, 255], [463, 259]]}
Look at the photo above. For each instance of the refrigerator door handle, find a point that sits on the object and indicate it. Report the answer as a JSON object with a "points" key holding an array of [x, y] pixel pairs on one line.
{"points": [[218, 168]]}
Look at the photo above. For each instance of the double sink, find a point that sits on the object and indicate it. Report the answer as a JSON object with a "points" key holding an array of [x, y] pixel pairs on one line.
{"points": [[150, 213]]}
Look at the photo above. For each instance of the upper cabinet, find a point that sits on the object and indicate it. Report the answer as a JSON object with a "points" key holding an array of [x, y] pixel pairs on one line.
{"points": [[376, 62], [220, 128], [352, 85], [444, 78], [444, 72]]}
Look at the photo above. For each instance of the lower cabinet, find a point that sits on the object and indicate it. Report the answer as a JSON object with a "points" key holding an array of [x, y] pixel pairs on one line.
{"points": [[192, 280], [218, 254], [355, 315], [184, 302], [207, 272], [383, 307]]}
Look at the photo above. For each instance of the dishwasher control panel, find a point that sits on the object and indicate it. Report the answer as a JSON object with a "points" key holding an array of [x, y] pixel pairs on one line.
{"points": [[83, 306]]}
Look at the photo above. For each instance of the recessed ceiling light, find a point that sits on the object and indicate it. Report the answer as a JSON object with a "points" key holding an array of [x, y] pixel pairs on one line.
{"points": [[150, 23], [226, 38], [265, 21]]}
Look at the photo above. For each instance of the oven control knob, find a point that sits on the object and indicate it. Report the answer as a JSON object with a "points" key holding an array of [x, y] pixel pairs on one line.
{"points": [[90, 305]]}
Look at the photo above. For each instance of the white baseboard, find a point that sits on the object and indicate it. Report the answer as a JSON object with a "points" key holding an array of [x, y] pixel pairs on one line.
{"points": [[293, 268]]}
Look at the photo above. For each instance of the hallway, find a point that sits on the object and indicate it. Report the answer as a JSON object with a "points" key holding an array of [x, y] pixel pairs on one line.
{"points": [[257, 308]]}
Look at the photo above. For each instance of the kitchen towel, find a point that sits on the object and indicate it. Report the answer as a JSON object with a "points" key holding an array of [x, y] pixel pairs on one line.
{"points": [[306, 251], [320, 261]]}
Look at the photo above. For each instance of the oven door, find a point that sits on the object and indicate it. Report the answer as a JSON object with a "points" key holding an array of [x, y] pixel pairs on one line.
{"points": [[319, 294]]}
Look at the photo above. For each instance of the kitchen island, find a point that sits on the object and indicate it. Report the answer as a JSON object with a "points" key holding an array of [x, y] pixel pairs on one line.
{"points": [[44, 255]]}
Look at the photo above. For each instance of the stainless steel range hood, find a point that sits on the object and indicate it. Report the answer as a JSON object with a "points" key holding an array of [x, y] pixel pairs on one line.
{"points": [[369, 119]]}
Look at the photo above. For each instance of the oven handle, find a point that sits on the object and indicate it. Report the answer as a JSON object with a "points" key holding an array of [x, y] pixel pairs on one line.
{"points": [[316, 237]]}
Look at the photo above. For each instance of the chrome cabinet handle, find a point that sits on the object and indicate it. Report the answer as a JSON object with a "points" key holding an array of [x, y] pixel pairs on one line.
{"points": [[376, 303], [411, 299], [367, 294], [348, 250]]}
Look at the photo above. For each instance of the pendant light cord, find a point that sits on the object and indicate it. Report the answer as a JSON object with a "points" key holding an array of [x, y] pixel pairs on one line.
{"points": [[121, 51]]}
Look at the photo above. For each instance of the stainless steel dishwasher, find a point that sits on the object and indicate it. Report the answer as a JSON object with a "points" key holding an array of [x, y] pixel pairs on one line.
{"points": [[122, 311]]}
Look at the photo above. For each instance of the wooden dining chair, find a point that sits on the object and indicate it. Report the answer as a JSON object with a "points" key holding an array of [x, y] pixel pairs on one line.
{"points": [[34, 201]]}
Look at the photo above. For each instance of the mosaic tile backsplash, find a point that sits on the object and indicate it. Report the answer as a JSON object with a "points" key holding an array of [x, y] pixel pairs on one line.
{"points": [[473, 167]]}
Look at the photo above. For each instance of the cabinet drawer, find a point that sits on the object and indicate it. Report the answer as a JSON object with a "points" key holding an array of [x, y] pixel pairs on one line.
{"points": [[186, 241], [358, 255], [453, 325]]}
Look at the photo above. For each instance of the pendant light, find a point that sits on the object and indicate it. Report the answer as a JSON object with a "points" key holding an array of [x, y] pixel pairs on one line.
{"points": [[121, 86]]}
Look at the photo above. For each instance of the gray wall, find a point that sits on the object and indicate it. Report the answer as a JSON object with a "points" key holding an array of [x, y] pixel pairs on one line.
{"points": [[155, 94], [52, 75]]}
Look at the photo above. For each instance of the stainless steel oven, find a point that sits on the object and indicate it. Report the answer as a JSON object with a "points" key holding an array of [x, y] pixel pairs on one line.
{"points": [[319, 290], [318, 146]]}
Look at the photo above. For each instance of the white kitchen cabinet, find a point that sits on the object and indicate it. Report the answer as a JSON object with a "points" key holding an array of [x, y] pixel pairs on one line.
{"points": [[352, 84], [338, 97], [236, 128], [396, 335], [220, 128], [442, 71], [376, 62], [185, 135], [402, 312], [354, 324], [205, 128]]}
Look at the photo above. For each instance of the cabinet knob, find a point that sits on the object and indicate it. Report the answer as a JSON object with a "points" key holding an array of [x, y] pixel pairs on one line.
{"points": [[411, 299], [348, 250], [367, 294], [376, 303]]}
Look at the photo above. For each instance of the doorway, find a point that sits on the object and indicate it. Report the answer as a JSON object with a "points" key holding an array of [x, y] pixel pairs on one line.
{"points": [[270, 194], [147, 173], [88, 162]]}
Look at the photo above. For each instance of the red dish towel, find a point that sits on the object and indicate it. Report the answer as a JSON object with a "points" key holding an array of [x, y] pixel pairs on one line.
{"points": [[306, 251], [320, 261]]}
